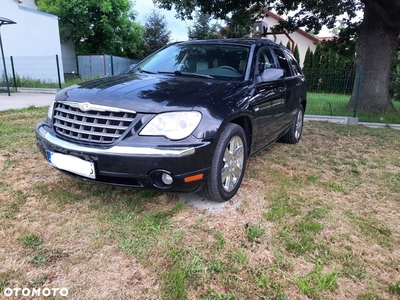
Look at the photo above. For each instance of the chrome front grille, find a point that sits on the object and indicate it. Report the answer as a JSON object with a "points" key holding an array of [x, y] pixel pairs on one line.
{"points": [[100, 127]]}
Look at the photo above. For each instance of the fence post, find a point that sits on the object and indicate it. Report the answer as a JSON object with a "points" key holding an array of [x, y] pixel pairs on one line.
{"points": [[104, 65], [58, 71], [13, 72], [112, 64], [360, 75], [5, 67]]}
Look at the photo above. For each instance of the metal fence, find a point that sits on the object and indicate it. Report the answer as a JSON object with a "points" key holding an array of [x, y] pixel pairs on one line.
{"points": [[32, 68], [91, 66], [329, 92], [49, 69]]}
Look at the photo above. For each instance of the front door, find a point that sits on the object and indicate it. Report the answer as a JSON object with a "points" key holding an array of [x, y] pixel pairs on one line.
{"points": [[268, 102]]}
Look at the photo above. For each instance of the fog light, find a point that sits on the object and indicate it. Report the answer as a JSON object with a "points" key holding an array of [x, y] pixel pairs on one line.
{"points": [[166, 179]]}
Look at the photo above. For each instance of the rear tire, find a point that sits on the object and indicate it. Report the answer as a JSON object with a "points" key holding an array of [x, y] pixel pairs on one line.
{"points": [[293, 136], [228, 165]]}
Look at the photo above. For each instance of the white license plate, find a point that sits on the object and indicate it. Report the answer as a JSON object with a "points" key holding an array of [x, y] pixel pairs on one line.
{"points": [[72, 164]]}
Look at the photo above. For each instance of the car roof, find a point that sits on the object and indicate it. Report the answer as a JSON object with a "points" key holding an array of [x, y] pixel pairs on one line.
{"points": [[237, 41]]}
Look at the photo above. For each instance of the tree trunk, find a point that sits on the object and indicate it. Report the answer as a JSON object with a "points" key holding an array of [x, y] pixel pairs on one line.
{"points": [[375, 49]]}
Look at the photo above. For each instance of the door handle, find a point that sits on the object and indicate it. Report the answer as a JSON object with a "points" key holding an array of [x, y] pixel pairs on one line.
{"points": [[280, 90]]}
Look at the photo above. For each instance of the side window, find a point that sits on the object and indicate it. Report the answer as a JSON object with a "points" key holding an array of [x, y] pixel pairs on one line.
{"points": [[265, 60], [295, 65], [283, 62]]}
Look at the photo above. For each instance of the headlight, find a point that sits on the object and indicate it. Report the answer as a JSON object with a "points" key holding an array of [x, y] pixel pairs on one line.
{"points": [[173, 125]]}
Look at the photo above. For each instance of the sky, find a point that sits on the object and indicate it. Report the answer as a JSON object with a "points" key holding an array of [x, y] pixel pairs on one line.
{"points": [[179, 31]]}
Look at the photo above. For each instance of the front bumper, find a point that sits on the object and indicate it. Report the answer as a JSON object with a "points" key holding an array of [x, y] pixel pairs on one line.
{"points": [[139, 167]]}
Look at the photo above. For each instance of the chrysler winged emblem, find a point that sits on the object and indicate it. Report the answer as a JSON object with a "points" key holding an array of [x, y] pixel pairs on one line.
{"points": [[86, 106]]}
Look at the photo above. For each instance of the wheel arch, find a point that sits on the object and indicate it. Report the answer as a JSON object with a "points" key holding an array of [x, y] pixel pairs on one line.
{"points": [[246, 124], [303, 103]]}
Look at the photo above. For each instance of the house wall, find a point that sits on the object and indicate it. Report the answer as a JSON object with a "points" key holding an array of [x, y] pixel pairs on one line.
{"points": [[302, 41], [33, 42]]}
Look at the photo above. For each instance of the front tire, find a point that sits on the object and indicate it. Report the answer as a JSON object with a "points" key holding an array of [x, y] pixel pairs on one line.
{"points": [[228, 165], [293, 136]]}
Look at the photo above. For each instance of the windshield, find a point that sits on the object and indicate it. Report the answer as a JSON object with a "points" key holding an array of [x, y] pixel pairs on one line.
{"points": [[220, 61]]}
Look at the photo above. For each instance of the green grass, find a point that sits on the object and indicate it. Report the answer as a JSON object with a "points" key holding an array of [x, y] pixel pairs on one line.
{"points": [[16, 129], [31, 241], [372, 228], [27, 82], [335, 105], [174, 283], [395, 288], [39, 258], [315, 283], [254, 232]]}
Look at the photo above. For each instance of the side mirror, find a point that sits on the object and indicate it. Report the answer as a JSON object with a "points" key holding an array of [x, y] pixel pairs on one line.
{"points": [[272, 74]]}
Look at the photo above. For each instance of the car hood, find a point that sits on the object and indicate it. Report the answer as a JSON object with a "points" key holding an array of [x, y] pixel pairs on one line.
{"points": [[149, 93]]}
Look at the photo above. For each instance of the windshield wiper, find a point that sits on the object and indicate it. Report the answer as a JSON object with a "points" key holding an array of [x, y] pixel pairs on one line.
{"points": [[189, 74], [145, 71]]}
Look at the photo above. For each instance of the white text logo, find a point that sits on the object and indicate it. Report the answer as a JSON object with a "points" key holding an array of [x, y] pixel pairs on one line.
{"points": [[26, 292]]}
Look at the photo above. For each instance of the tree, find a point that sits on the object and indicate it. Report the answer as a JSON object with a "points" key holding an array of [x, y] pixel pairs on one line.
{"points": [[327, 71], [375, 47], [289, 45], [97, 26], [308, 59], [344, 48], [239, 25], [308, 68], [336, 30], [376, 35], [156, 34], [202, 29], [296, 53], [317, 56], [395, 83]]}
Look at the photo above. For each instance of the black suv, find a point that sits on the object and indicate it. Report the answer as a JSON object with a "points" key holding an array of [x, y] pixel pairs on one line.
{"points": [[184, 119]]}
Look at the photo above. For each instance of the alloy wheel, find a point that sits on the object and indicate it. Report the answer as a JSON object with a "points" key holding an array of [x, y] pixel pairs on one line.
{"points": [[232, 163]]}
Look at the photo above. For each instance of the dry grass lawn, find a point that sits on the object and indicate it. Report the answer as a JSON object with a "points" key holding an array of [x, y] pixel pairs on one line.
{"points": [[316, 220]]}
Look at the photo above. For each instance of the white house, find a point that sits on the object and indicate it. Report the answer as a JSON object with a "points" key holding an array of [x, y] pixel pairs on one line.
{"points": [[33, 42], [300, 38]]}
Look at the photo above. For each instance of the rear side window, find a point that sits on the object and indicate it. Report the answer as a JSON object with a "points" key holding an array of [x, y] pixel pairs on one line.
{"points": [[295, 66], [283, 62]]}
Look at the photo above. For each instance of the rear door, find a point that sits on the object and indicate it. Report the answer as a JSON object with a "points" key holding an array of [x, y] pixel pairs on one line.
{"points": [[294, 79], [299, 80]]}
